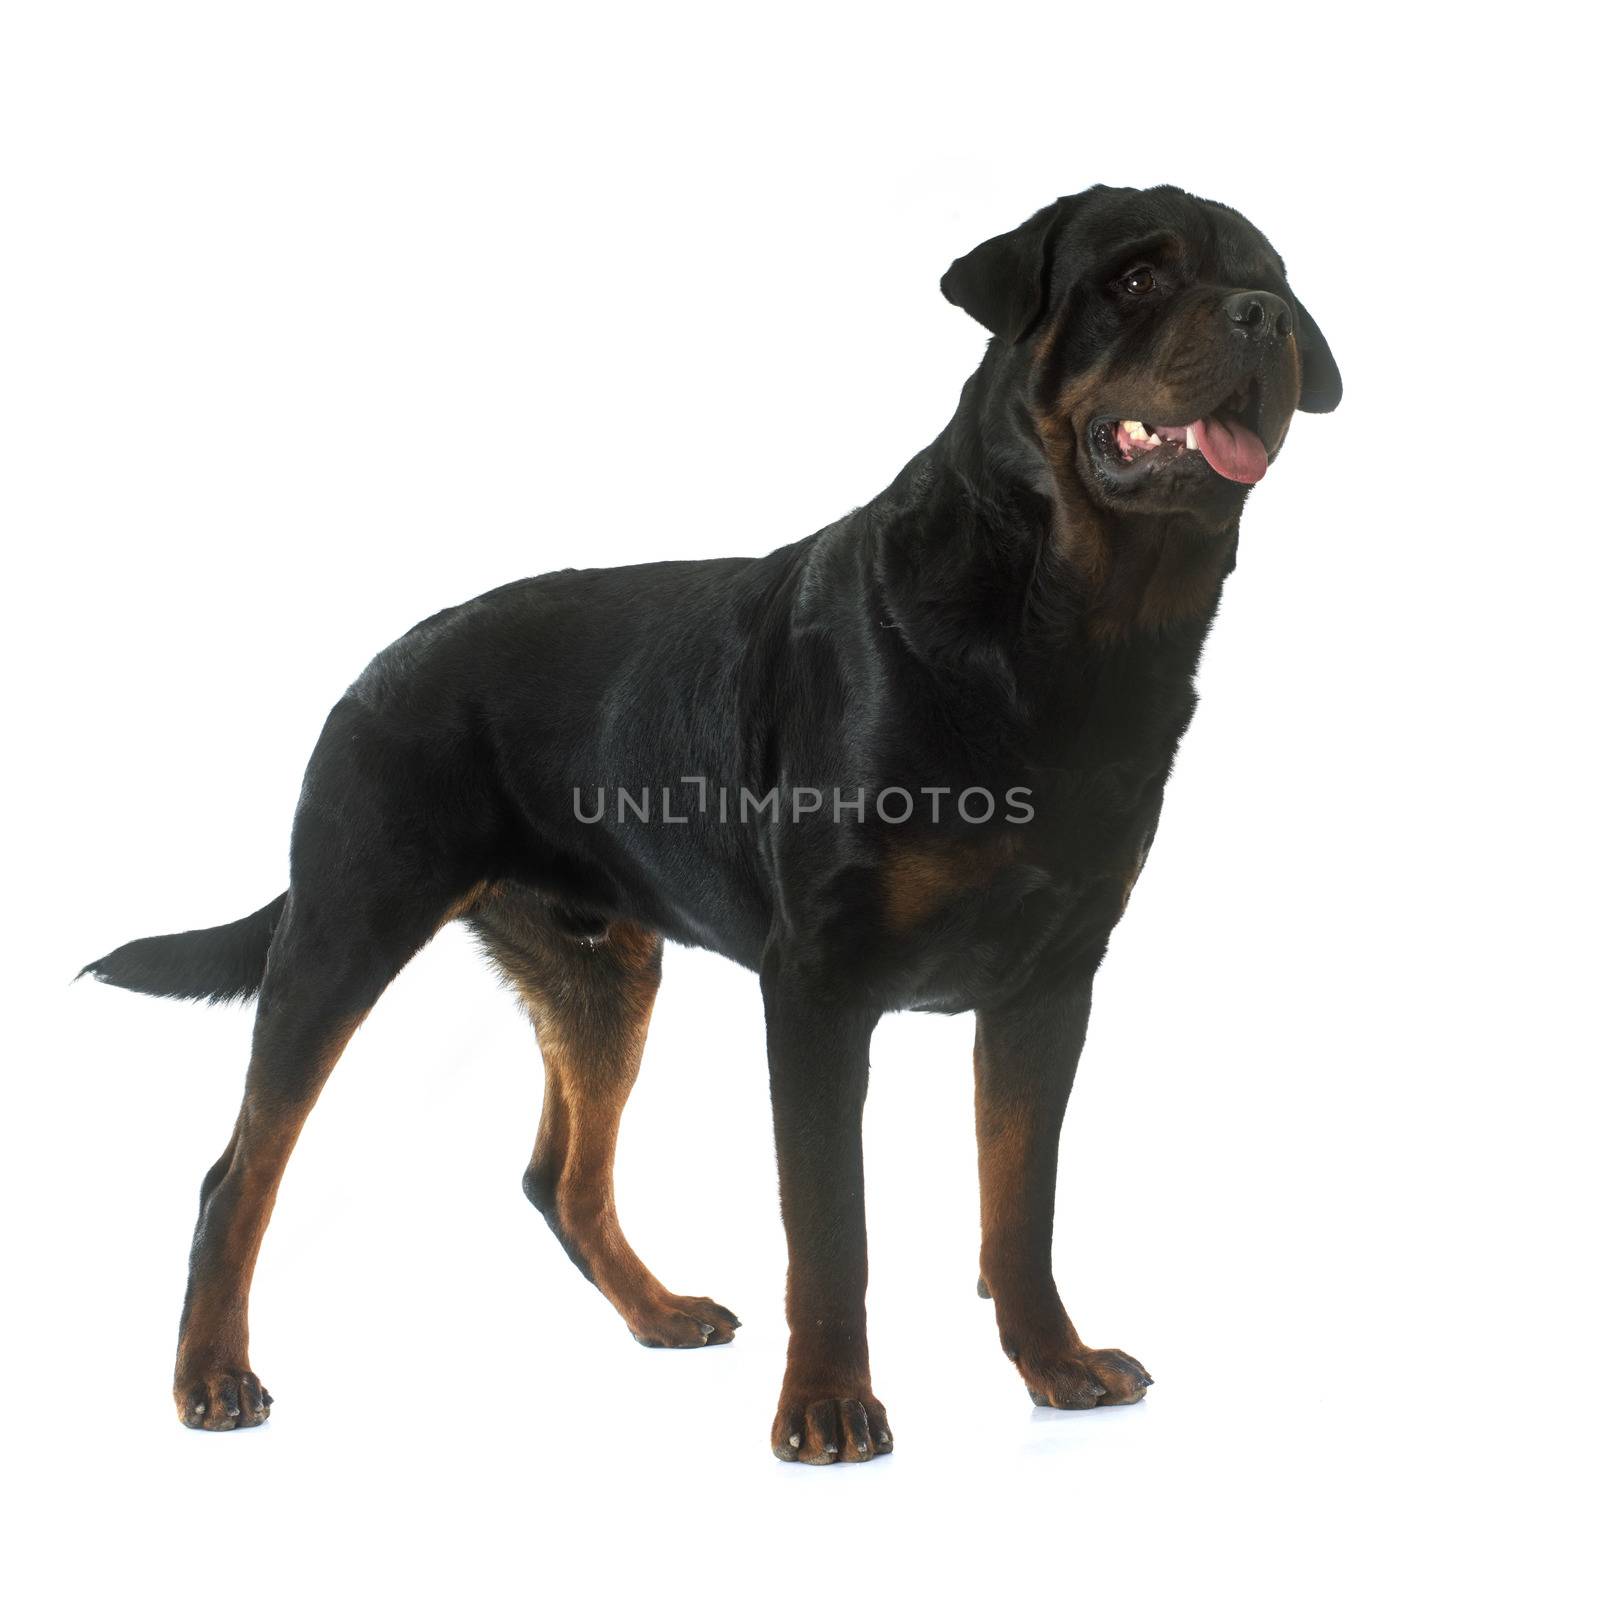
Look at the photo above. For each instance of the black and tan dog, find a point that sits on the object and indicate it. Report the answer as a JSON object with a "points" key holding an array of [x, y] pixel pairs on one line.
{"points": [[915, 760]]}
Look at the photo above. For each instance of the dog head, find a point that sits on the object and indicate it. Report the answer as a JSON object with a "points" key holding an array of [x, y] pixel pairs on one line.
{"points": [[1157, 342]]}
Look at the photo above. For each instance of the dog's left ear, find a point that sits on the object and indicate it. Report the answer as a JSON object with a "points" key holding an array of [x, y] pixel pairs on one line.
{"points": [[1321, 387], [1005, 281]]}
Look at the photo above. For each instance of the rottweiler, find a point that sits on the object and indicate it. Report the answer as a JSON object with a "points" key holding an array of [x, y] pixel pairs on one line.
{"points": [[915, 760]]}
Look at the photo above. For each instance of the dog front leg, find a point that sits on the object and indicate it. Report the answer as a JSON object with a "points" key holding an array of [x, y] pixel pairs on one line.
{"points": [[1025, 1059], [817, 1057]]}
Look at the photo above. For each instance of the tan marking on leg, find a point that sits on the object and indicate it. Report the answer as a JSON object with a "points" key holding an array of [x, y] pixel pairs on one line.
{"points": [[469, 902], [215, 1332], [590, 1002], [1016, 1177]]}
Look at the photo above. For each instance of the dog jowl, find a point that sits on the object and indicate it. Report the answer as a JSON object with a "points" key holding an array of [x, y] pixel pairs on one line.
{"points": [[1017, 615]]}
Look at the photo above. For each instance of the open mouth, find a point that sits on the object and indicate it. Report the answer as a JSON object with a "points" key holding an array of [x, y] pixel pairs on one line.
{"points": [[1226, 440]]}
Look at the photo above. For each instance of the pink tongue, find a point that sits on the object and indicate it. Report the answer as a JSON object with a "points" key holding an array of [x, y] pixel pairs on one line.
{"points": [[1231, 449]]}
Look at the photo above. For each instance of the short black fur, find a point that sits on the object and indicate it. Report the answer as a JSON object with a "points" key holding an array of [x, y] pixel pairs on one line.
{"points": [[1019, 613]]}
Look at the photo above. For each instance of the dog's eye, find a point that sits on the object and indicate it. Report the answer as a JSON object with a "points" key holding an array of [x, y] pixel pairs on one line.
{"points": [[1140, 281]]}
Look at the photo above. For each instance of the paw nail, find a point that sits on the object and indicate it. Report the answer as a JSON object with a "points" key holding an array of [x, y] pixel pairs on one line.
{"points": [[708, 1328], [794, 1441], [883, 1438], [200, 1408], [863, 1447], [833, 1449]]}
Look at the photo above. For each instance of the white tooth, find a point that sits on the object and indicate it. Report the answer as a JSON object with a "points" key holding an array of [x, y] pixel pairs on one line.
{"points": [[1135, 430], [1188, 440]]}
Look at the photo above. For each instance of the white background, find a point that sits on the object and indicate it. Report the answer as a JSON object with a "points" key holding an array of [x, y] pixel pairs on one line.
{"points": [[319, 317]]}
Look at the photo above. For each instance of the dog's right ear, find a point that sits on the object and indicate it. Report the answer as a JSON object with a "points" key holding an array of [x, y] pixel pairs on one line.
{"points": [[1005, 281]]}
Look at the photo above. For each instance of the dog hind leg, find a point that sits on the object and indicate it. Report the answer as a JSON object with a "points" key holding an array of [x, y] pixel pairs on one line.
{"points": [[590, 1000], [326, 970]]}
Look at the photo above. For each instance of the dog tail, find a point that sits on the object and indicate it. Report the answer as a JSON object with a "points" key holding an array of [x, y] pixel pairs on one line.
{"points": [[225, 963]]}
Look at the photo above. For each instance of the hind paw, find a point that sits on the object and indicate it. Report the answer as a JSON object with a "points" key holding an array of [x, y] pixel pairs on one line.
{"points": [[680, 1322]]}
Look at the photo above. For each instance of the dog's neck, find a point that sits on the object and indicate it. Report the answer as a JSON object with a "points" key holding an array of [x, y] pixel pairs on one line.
{"points": [[995, 513]]}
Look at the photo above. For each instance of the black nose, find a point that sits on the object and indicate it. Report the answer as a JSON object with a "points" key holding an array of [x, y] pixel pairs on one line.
{"points": [[1257, 315]]}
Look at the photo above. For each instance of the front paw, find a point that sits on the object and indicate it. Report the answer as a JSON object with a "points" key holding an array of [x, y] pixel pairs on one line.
{"points": [[1075, 1380], [821, 1430], [222, 1399]]}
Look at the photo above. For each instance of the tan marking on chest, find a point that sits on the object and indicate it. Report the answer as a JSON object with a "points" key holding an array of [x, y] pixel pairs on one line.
{"points": [[1176, 582], [1132, 875], [919, 879]]}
